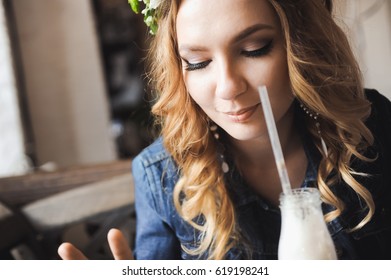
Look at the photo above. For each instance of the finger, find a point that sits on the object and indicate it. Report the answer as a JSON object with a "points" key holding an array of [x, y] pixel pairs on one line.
{"points": [[69, 252], [119, 245]]}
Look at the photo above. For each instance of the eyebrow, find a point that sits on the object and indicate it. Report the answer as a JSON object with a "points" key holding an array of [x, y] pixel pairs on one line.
{"points": [[242, 35], [250, 30]]}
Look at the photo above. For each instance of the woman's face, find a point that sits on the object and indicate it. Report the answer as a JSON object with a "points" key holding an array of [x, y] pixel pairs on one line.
{"points": [[228, 49]]}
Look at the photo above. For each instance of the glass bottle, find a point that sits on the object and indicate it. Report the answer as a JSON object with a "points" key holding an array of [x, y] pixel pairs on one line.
{"points": [[304, 234]]}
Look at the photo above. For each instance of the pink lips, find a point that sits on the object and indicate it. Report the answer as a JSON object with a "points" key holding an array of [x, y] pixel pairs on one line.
{"points": [[242, 115]]}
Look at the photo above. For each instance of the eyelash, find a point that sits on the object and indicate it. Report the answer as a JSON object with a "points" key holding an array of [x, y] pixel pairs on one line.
{"points": [[196, 66], [259, 52], [256, 53]]}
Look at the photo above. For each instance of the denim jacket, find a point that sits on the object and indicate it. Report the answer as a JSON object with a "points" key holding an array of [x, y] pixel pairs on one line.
{"points": [[161, 232]]}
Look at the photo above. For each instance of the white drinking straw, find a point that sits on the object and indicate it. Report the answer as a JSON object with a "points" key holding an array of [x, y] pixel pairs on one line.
{"points": [[275, 140]]}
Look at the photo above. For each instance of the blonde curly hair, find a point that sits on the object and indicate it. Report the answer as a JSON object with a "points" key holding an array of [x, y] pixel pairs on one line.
{"points": [[324, 76]]}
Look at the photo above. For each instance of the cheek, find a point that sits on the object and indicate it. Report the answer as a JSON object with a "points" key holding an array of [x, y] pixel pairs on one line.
{"points": [[276, 76], [200, 92]]}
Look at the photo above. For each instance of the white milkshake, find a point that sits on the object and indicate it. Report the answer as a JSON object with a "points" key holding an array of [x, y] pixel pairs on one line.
{"points": [[304, 234]]}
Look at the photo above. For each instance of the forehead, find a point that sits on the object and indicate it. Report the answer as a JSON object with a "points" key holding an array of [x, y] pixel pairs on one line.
{"points": [[198, 19]]}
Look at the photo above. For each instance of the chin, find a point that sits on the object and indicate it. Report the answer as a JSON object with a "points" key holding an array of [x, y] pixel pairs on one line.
{"points": [[244, 132], [245, 135]]}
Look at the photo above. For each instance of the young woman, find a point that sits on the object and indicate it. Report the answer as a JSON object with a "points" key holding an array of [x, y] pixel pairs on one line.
{"points": [[208, 188]]}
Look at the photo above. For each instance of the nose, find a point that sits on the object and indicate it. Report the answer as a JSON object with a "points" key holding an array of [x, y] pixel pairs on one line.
{"points": [[230, 81]]}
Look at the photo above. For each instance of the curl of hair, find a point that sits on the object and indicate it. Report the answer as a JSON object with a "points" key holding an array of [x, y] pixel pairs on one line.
{"points": [[326, 78]]}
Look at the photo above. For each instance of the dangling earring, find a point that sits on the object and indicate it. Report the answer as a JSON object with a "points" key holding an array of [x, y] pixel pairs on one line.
{"points": [[224, 165], [315, 116]]}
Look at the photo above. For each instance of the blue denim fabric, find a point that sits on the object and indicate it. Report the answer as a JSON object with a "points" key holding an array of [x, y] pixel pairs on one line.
{"points": [[160, 231]]}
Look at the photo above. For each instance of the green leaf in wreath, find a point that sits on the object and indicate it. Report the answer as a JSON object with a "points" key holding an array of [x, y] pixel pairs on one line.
{"points": [[135, 5]]}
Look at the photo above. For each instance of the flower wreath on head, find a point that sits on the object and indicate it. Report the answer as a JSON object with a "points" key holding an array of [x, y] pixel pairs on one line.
{"points": [[149, 12]]}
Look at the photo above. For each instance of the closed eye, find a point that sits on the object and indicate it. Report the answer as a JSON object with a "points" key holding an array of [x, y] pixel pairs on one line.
{"points": [[259, 52], [196, 66]]}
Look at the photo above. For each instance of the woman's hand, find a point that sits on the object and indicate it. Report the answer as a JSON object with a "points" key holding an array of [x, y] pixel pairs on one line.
{"points": [[117, 242]]}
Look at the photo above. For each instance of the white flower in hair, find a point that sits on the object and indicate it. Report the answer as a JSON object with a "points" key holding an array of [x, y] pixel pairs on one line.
{"points": [[154, 4]]}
